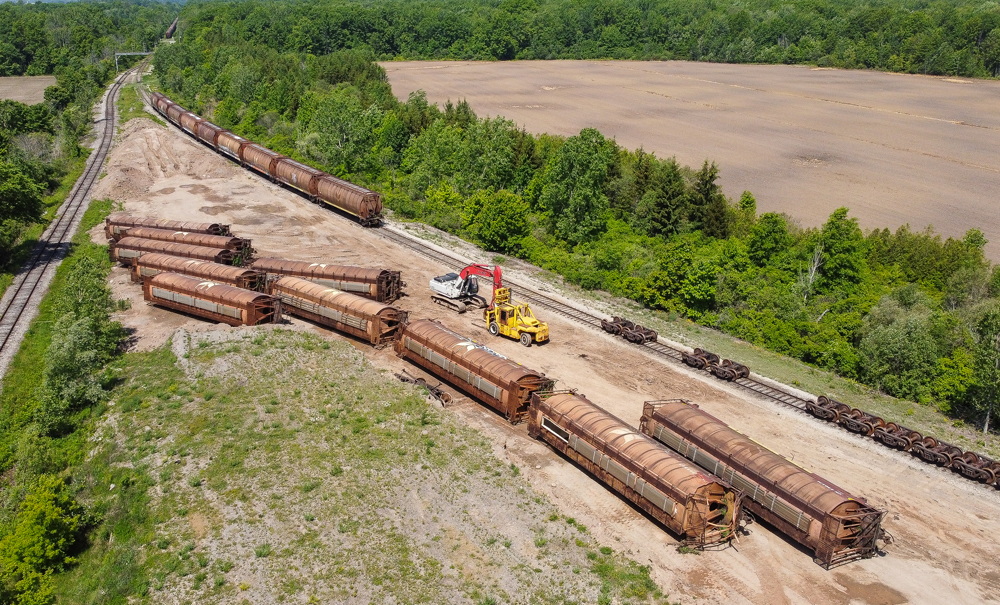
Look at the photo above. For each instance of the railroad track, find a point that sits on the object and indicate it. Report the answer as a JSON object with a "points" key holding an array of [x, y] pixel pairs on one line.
{"points": [[538, 299], [20, 303]]}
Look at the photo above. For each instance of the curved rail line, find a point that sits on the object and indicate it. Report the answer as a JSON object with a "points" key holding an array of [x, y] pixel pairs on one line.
{"points": [[19, 303]]}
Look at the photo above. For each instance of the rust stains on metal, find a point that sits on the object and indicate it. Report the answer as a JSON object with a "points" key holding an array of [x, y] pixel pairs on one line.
{"points": [[484, 374], [362, 203], [260, 158], [836, 525], [298, 176], [374, 321], [211, 300], [238, 245], [381, 285], [152, 264], [116, 224], [689, 501], [126, 250]]}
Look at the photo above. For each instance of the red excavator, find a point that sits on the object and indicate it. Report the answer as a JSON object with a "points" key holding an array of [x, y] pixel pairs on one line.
{"points": [[460, 291]]}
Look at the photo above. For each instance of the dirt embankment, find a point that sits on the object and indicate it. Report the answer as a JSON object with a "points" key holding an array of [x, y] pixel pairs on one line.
{"points": [[944, 526]]}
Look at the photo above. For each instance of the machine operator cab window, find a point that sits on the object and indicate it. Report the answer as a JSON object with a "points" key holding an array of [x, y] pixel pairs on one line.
{"points": [[473, 285], [503, 316]]}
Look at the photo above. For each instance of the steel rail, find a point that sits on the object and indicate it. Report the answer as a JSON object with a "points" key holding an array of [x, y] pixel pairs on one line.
{"points": [[54, 243]]}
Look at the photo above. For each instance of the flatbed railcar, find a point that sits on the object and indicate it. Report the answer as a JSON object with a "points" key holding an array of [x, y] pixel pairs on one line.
{"points": [[483, 374], [835, 525], [374, 321], [381, 285], [149, 265], [218, 302], [703, 509], [364, 204]]}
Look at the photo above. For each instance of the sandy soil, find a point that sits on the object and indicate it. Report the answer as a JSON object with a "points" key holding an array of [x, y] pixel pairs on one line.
{"points": [[944, 526], [26, 89], [893, 148]]}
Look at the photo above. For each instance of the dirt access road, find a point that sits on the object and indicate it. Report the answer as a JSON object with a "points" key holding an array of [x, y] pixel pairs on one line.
{"points": [[26, 89], [945, 526], [893, 148]]}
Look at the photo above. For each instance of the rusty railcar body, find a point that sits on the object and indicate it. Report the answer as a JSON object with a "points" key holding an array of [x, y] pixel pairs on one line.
{"points": [[208, 133], [381, 285], [231, 144], [485, 375], [837, 526], [189, 122], [260, 158], [159, 101], [376, 322], [116, 224], [126, 250], [353, 199], [174, 112], [211, 300], [298, 176], [149, 265], [675, 492], [238, 245]]}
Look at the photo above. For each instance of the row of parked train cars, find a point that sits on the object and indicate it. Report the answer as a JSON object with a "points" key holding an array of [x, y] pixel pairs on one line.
{"points": [[365, 205], [683, 467]]}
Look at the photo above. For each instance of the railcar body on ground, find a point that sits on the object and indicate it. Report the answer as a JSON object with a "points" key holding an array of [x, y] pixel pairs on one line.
{"points": [[211, 300], [116, 224], [483, 374], [149, 265], [238, 245], [702, 509], [835, 525], [126, 250], [381, 285]]}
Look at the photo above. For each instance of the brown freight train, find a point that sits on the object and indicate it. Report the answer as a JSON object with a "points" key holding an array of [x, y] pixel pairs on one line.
{"points": [[486, 375], [149, 265], [695, 505], [374, 321], [218, 302], [835, 525], [380, 285], [241, 247], [127, 249], [364, 204], [116, 224]]}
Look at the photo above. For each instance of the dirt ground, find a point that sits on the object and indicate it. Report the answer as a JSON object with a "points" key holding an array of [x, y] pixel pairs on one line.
{"points": [[26, 89], [893, 148], [944, 526]]}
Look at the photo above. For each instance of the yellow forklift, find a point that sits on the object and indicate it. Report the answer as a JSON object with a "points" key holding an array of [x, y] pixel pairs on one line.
{"points": [[514, 319]]}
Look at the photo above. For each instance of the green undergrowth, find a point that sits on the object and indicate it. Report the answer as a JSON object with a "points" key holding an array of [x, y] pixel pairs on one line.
{"points": [[273, 466], [50, 204], [130, 106]]}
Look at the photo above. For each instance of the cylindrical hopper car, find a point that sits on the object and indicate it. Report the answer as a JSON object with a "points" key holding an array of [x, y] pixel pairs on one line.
{"points": [[149, 265], [126, 250], [117, 223], [377, 284], [219, 302], [374, 321], [485, 375], [695, 505], [241, 247], [363, 203], [171, 29], [835, 525]]}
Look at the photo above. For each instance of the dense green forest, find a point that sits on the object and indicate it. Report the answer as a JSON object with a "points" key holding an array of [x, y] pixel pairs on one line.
{"points": [[919, 36], [40, 144], [907, 311]]}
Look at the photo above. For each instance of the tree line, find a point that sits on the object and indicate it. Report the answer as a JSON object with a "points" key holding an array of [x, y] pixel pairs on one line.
{"points": [[905, 311], [958, 38]]}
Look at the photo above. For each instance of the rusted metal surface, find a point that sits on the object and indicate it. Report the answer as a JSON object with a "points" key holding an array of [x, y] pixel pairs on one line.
{"points": [[484, 374], [260, 158], [836, 525], [435, 391], [128, 249], [208, 133], [376, 322], [630, 331], [189, 122], [362, 203], [381, 285], [174, 112], [897, 436], [241, 247], [115, 225], [149, 265], [231, 144], [160, 102], [211, 300], [689, 501], [299, 176]]}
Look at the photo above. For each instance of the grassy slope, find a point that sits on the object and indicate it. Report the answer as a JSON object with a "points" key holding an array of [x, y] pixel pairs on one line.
{"points": [[267, 465]]}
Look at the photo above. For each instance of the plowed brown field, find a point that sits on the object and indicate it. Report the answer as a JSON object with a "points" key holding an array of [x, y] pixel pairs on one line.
{"points": [[893, 148], [26, 89]]}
